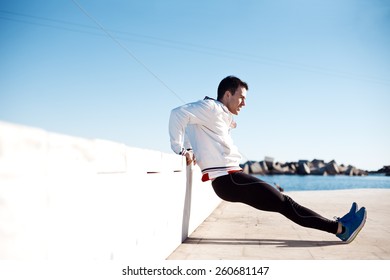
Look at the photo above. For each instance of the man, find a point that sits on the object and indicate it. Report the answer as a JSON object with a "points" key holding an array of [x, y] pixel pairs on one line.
{"points": [[207, 124]]}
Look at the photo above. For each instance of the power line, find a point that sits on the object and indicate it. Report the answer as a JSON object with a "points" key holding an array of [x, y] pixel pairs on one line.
{"points": [[49, 25], [185, 46], [127, 50], [46, 19]]}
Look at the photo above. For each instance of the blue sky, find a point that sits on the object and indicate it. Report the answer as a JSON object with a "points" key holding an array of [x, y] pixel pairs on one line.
{"points": [[318, 71]]}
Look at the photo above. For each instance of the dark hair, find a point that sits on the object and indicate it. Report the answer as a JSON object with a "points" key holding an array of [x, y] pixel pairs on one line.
{"points": [[230, 83]]}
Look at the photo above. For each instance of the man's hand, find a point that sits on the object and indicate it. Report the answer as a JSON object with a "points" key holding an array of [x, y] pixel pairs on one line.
{"points": [[190, 157]]}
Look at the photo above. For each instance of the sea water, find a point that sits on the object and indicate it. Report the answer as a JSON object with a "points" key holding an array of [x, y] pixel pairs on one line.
{"points": [[338, 182]]}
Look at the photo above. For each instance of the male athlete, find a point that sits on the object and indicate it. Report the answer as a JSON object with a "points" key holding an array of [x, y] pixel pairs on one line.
{"points": [[207, 124]]}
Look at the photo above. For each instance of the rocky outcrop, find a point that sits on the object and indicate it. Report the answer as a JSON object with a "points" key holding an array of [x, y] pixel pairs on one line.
{"points": [[302, 167], [384, 170]]}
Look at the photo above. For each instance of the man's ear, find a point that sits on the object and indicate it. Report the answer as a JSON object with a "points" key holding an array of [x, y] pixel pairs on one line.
{"points": [[228, 94]]}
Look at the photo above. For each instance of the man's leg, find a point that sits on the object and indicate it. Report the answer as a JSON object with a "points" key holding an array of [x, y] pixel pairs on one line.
{"points": [[241, 187]]}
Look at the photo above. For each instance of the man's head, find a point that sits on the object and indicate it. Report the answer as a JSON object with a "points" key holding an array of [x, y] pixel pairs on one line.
{"points": [[232, 93]]}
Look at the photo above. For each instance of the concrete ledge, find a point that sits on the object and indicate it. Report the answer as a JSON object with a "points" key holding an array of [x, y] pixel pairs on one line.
{"points": [[69, 198]]}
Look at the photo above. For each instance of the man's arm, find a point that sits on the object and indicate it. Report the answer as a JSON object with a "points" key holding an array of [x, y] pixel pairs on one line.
{"points": [[180, 143], [178, 122], [180, 118]]}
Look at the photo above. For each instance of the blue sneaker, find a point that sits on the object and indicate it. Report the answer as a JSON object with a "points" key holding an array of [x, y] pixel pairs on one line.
{"points": [[349, 215], [353, 225]]}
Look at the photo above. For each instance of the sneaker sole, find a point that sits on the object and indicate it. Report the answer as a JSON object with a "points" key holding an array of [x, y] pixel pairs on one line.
{"points": [[356, 232]]}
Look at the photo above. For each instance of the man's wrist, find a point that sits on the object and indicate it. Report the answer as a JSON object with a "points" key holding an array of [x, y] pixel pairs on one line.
{"points": [[185, 151]]}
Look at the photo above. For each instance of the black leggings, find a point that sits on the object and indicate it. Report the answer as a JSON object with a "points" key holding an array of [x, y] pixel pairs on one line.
{"points": [[241, 187]]}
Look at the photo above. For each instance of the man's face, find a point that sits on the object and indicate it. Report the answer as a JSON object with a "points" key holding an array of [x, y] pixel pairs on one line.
{"points": [[235, 102]]}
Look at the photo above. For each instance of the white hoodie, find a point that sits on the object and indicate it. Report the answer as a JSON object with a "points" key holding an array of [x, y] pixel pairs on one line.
{"points": [[207, 125]]}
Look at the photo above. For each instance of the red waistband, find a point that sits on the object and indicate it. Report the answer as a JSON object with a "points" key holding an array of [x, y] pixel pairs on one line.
{"points": [[206, 177]]}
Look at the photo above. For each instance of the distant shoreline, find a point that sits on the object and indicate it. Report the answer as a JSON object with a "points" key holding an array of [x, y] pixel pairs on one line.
{"points": [[318, 167]]}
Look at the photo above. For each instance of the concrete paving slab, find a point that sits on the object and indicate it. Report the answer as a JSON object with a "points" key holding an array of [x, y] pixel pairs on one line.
{"points": [[235, 231]]}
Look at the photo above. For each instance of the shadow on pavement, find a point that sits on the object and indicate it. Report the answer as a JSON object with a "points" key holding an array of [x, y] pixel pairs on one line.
{"points": [[262, 242]]}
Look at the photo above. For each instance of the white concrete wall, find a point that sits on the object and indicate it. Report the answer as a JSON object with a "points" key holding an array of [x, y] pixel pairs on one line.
{"points": [[63, 197]]}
